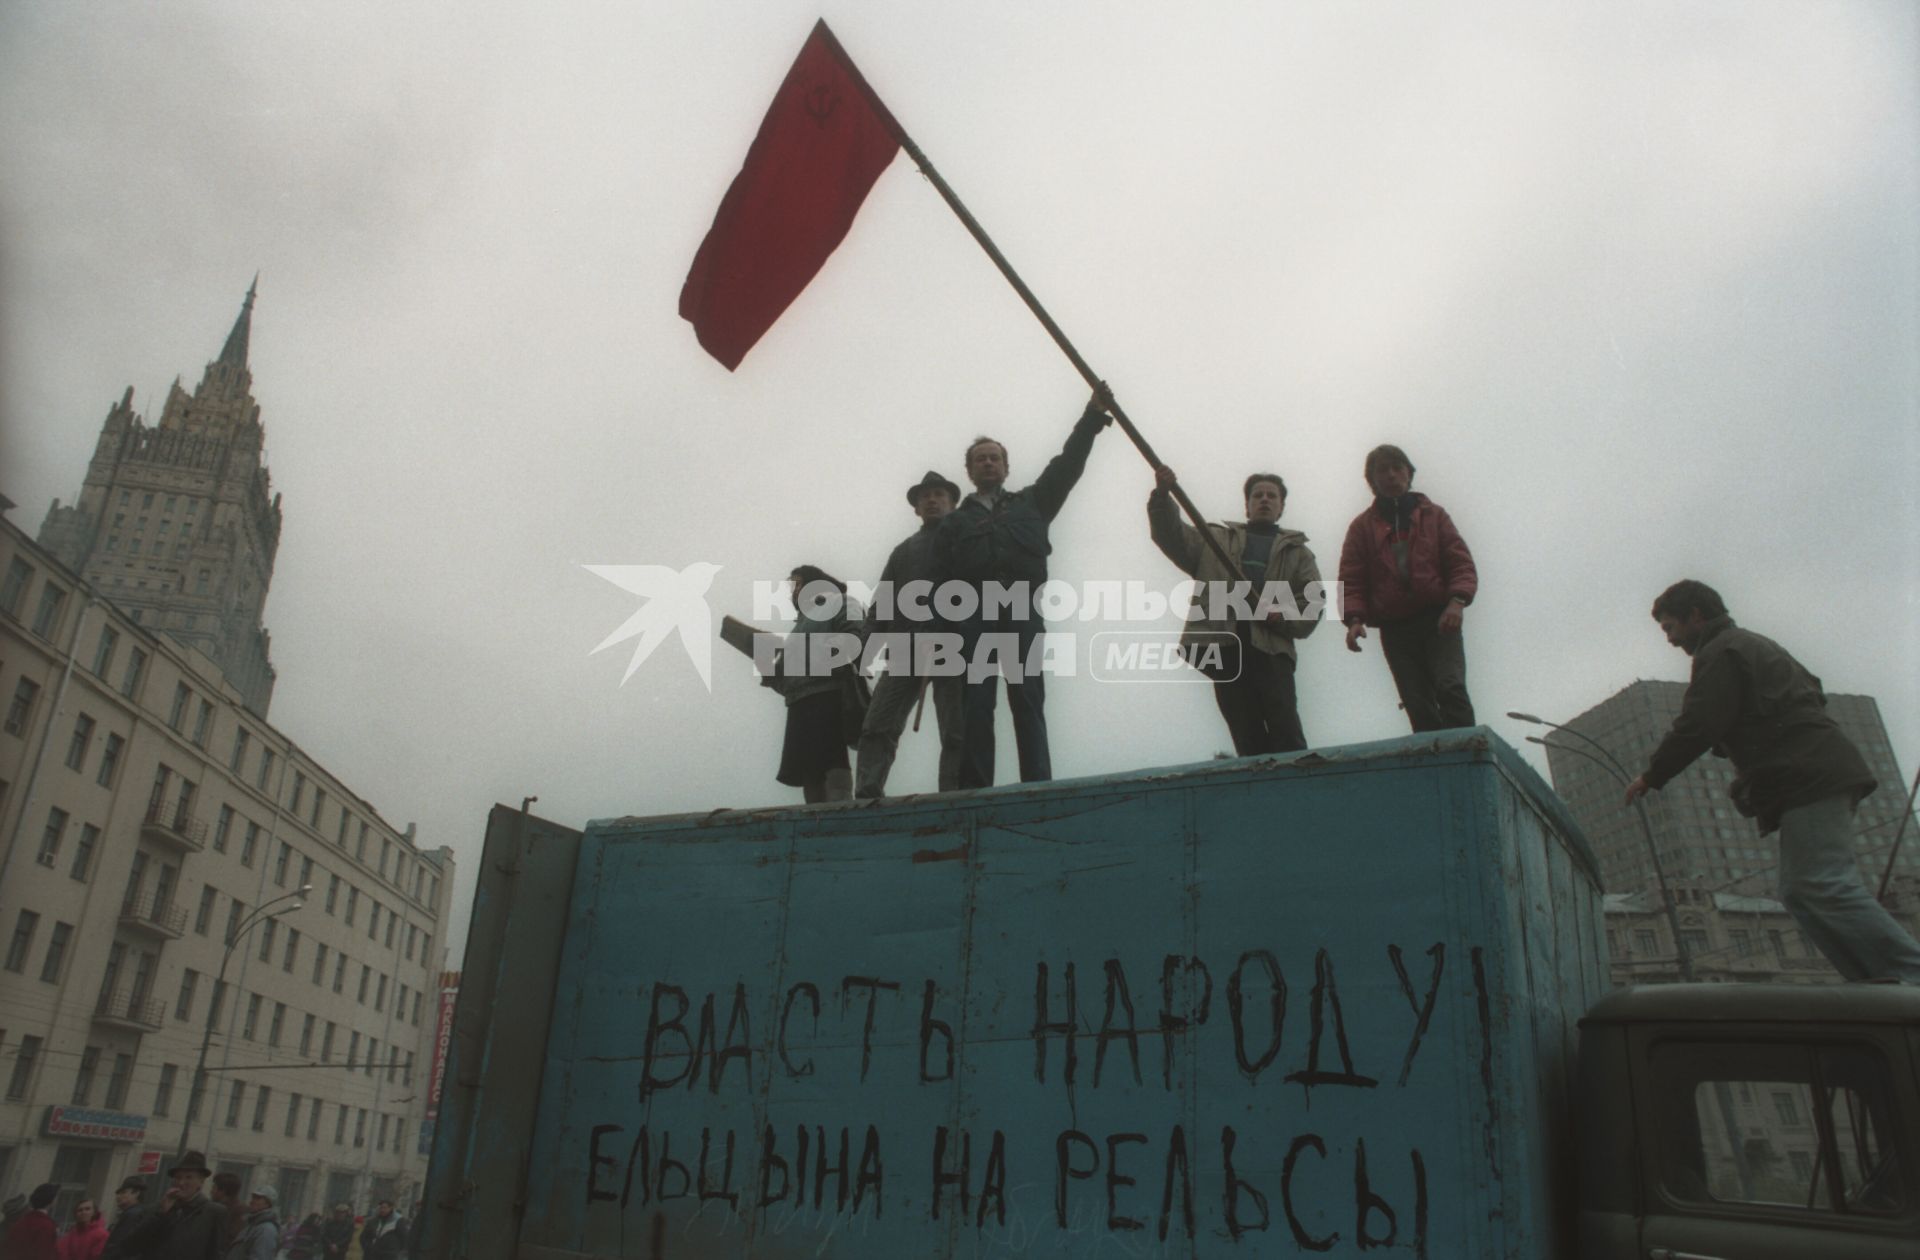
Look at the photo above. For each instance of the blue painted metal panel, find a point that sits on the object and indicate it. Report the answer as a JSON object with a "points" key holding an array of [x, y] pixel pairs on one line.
{"points": [[1231, 1009]]}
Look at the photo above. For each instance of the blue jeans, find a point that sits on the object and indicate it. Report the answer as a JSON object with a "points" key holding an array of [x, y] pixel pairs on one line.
{"points": [[1026, 698], [1821, 886]]}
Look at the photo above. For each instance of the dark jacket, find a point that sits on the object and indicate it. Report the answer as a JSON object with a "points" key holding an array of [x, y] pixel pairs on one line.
{"points": [[1439, 566], [131, 1222], [389, 1242], [911, 561], [336, 1237], [1007, 542], [193, 1230], [1753, 703], [32, 1236]]}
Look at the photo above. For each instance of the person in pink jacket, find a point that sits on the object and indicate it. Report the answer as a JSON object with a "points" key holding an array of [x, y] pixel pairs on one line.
{"points": [[87, 1236], [1405, 569]]}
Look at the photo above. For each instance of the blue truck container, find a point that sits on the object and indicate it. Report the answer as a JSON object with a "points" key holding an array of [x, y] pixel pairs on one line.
{"points": [[1323, 1004]]}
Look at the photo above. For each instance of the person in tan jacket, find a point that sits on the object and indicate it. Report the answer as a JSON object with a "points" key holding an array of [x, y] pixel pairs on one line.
{"points": [[1250, 659]]}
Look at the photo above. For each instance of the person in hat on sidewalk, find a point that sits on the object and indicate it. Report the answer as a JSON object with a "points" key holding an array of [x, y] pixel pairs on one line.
{"points": [[132, 1216], [385, 1235], [188, 1226], [259, 1237], [899, 689], [33, 1235]]}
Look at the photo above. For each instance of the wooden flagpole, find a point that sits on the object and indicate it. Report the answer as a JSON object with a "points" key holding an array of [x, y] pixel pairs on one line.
{"points": [[979, 233]]}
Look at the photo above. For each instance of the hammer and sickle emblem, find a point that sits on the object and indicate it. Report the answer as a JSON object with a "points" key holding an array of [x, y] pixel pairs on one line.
{"points": [[821, 102]]}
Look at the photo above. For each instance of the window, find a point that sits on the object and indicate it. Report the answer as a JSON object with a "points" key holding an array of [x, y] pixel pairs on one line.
{"points": [[241, 738], [260, 1109], [46, 618], [117, 1083], [319, 799], [333, 892], [1830, 1105], [203, 724], [251, 1026], [23, 1063], [22, 941], [56, 952], [299, 789], [353, 1050], [83, 852], [218, 1003], [380, 994], [82, 740], [83, 1080], [136, 670], [293, 950], [183, 1006], [222, 828], [426, 946], [268, 930], [203, 913], [313, 1121], [340, 1127], [353, 903], [278, 1025], [20, 711], [400, 998], [280, 864], [266, 769], [50, 838], [360, 1127], [178, 714], [306, 873], [306, 1035], [360, 846], [163, 1093], [339, 971], [109, 760], [319, 963], [326, 1043], [399, 1130], [366, 977], [19, 574], [386, 852], [373, 919], [293, 1113], [413, 936], [103, 650], [416, 1008], [380, 1140], [341, 839], [249, 845]]}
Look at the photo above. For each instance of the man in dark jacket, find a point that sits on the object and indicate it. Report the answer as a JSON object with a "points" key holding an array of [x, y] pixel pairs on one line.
{"points": [[1794, 771], [188, 1226], [894, 695], [1405, 569], [132, 1216], [385, 1235], [336, 1236], [997, 538]]}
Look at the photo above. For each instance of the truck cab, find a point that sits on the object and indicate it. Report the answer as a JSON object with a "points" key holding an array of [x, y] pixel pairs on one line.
{"points": [[1750, 1122]]}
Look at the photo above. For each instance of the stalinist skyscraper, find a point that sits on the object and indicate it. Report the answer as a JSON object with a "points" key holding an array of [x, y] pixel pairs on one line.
{"points": [[178, 523]]}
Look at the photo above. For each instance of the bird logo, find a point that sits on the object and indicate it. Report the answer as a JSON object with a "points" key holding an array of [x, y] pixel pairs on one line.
{"points": [[671, 599]]}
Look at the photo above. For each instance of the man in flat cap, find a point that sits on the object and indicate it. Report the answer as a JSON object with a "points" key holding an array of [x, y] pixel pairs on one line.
{"points": [[188, 1226], [894, 697]]}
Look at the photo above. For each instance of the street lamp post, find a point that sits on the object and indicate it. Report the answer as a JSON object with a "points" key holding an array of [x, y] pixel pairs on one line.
{"points": [[196, 1091], [1611, 765]]}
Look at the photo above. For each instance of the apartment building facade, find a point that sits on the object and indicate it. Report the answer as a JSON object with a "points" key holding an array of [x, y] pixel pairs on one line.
{"points": [[155, 835]]}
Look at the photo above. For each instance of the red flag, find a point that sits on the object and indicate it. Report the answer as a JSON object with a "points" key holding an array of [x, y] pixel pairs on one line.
{"points": [[823, 143]]}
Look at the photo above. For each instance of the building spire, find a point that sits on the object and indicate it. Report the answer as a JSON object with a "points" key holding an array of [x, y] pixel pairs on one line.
{"points": [[234, 353]]}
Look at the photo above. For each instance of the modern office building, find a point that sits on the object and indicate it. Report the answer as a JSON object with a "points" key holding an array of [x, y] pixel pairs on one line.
{"points": [[165, 982], [1721, 872]]}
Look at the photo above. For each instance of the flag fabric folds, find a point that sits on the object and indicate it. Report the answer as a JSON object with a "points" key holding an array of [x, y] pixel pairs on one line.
{"points": [[823, 143]]}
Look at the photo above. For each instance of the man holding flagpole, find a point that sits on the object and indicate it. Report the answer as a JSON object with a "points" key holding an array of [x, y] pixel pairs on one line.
{"points": [[996, 543]]}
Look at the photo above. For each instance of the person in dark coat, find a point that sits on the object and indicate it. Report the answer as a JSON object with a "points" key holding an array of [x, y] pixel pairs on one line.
{"points": [[1795, 771], [336, 1236], [385, 1235], [127, 1223], [1405, 569], [188, 1225], [894, 696], [33, 1235], [998, 538], [813, 755]]}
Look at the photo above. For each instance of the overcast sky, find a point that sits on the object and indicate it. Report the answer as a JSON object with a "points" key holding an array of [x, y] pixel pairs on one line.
{"points": [[1634, 284]]}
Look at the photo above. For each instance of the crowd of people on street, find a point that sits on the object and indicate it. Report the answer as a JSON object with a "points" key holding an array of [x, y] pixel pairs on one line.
{"points": [[200, 1216]]}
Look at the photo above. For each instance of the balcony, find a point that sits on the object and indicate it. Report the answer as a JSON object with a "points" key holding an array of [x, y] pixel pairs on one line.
{"points": [[129, 1011], [174, 827], [149, 915]]}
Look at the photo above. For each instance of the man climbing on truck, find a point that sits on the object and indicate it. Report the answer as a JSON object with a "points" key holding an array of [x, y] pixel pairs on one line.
{"points": [[1795, 772]]}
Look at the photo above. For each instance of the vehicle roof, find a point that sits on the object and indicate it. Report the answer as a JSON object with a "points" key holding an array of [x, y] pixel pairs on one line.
{"points": [[1770, 1003]]}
